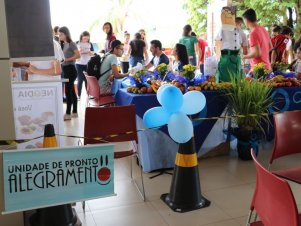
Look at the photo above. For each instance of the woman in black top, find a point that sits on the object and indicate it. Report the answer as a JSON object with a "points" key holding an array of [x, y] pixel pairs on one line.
{"points": [[137, 51]]}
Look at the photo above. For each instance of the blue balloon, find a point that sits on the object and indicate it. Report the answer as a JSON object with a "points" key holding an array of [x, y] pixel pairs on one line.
{"points": [[193, 102], [180, 127], [171, 99], [155, 117], [160, 91]]}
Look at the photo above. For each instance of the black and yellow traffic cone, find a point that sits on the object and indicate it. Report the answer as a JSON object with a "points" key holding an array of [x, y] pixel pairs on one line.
{"points": [[185, 192], [62, 215], [49, 137]]}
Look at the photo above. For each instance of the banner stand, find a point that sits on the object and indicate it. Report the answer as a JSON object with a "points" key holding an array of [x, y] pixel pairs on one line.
{"points": [[63, 215]]}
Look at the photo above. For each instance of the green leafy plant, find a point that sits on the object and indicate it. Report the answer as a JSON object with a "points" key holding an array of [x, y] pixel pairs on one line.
{"points": [[249, 97]]}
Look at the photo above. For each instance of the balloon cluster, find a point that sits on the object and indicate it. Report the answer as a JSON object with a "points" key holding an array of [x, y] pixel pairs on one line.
{"points": [[174, 111]]}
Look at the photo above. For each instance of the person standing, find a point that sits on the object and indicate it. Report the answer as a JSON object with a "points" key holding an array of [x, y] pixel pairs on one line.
{"points": [[126, 43], [56, 33], [259, 41], [158, 56], [191, 44], [229, 42], [108, 29], [47, 69], [143, 37], [244, 41], [86, 50], [137, 51], [71, 53], [202, 47], [281, 45]]}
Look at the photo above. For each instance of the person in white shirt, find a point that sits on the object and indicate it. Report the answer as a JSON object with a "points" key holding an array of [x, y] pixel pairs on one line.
{"points": [[86, 50], [230, 62], [244, 41], [126, 43], [49, 69]]}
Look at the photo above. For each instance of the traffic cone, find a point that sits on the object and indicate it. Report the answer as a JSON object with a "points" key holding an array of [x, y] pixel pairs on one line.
{"points": [[62, 215], [185, 192]]}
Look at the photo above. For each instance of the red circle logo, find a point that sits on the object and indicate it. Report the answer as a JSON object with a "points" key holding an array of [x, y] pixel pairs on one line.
{"points": [[104, 174]]}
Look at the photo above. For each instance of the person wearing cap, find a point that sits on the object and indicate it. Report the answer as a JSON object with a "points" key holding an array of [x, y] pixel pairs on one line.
{"points": [[230, 61], [158, 56], [109, 68], [259, 41]]}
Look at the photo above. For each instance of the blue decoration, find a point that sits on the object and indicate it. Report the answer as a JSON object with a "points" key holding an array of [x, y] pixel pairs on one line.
{"points": [[295, 99], [160, 91], [171, 98], [284, 93], [174, 110], [194, 102], [180, 127], [155, 117]]}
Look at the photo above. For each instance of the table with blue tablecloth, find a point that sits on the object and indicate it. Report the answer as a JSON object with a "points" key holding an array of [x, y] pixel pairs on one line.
{"points": [[158, 150], [119, 83], [285, 99]]}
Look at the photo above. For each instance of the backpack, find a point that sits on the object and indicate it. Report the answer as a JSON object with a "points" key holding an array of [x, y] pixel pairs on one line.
{"points": [[94, 65]]}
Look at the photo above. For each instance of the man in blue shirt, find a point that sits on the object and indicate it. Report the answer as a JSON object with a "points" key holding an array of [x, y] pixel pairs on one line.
{"points": [[159, 56]]}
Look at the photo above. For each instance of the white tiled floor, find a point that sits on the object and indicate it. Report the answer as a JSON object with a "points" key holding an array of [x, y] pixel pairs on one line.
{"points": [[226, 181]]}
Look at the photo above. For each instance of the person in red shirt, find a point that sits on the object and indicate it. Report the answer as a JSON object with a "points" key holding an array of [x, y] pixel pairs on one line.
{"points": [[281, 46], [202, 46], [259, 41]]}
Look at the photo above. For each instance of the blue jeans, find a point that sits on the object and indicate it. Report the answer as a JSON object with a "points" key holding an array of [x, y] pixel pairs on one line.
{"points": [[202, 68], [192, 60], [134, 60], [80, 78]]}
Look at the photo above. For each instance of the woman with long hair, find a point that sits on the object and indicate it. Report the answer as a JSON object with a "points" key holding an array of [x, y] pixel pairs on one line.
{"points": [[143, 37], [181, 57], [86, 50], [137, 51], [108, 29], [191, 43], [71, 54]]}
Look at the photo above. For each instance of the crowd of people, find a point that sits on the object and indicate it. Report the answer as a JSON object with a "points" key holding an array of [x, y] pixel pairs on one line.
{"points": [[71, 58]]}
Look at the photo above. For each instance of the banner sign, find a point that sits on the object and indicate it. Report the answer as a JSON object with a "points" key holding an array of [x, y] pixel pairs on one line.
{"points": [[35, 105], [39, 178]]}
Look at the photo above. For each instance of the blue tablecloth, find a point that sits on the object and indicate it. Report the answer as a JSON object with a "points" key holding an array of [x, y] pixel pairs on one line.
{"points": [[120, 83], [285, 99], [158, 150], [157, 142]]}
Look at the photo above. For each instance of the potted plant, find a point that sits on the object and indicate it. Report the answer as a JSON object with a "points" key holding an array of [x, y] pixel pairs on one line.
{"points": [[248, 98], [260, 71], [189, 71], [162, 70]]}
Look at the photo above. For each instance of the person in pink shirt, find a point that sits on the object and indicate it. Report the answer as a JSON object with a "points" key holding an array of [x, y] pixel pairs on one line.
{"points": [[259, 41]]}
